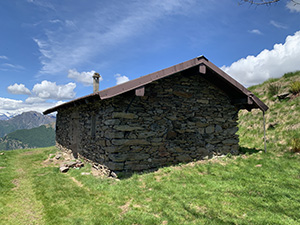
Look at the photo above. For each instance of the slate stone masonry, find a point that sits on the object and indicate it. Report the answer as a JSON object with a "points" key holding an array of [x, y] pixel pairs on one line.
{"points": [[179, 119]]}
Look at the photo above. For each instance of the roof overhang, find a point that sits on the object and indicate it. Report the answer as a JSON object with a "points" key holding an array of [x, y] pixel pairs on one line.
{"points": [[239, 95]]}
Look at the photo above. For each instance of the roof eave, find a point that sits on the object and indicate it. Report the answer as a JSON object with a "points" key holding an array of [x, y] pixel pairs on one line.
{"points": [[256, 103], [262, 106], [55, 108]]}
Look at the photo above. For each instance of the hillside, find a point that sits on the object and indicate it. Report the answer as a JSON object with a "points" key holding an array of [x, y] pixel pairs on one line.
{"points": [[252, 188], [282, 118], [42, 136], [26, 120]]}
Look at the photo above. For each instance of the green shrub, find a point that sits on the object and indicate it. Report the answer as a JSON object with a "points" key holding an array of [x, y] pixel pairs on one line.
{"points": [[291, 74], [295, 145], [295, 87], [273, 89], [271, 80]]}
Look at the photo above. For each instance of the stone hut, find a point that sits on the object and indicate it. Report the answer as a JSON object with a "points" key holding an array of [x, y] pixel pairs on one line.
{"points": [[180, 114]]}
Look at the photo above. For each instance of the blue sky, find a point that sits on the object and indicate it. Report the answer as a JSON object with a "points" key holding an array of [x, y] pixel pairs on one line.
{"points": [[50, 49]]}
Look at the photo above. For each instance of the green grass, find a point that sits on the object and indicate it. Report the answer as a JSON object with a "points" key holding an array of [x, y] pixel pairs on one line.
{"points": [[280, 85], [295, 144], [273, 89], [295, 87], [253, 188], [249, 189], [284, 115], [18, 203]]}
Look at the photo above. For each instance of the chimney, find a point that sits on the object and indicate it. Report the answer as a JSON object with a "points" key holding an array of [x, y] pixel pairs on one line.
{"points": [[96, 78]]}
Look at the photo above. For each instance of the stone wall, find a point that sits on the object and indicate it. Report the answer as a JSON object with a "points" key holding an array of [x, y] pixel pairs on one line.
{"points": [[180, 119]]}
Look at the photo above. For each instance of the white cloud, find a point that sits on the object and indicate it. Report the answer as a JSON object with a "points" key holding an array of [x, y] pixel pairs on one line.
{"points": [[18, 89], [34, 99], [278, 25], [70, 24], [11, 66], [273, 63], [9, 104], [86, 78], [46, 54], [42, 3], [38, 99], [121, 79], [67, 47], [3, 57], [12, 107], [50, 90], [255, 31], [40, 43], [54, 21], [293, 7]]}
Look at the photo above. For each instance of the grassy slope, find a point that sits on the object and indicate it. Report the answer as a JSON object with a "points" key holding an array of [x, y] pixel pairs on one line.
{"points": [[255, 189], [249, 189], [283, 115], [42, 136]]}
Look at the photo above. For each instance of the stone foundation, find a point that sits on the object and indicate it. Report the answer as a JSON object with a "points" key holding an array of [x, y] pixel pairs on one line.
{"points": [[180, 119]]}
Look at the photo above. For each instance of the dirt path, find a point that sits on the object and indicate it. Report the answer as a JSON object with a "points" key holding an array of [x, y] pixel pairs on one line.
{"points": [[25, 208]]}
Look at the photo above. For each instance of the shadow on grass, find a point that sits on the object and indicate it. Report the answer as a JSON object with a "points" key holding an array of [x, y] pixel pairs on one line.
{"points": [[244, 150], [126, 175]]}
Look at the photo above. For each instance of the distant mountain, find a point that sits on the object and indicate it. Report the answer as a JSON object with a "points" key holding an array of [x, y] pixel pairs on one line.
{"points": [[37, 137], [3, 117], [26, 120], [6, 116]]}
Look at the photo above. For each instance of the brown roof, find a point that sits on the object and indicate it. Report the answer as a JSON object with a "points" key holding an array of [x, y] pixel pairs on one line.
{"points": [[237, 92]]}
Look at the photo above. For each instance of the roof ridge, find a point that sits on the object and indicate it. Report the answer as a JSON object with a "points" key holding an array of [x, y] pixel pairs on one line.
{"points": [[144, 80]]}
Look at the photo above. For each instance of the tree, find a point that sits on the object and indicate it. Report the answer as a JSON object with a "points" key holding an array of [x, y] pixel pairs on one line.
{"points": [[267, 2]]}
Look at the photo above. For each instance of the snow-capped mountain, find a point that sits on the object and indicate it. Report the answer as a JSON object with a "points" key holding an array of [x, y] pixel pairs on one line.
{"points": [[3, 117], [6, 116], [26, 120]]}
